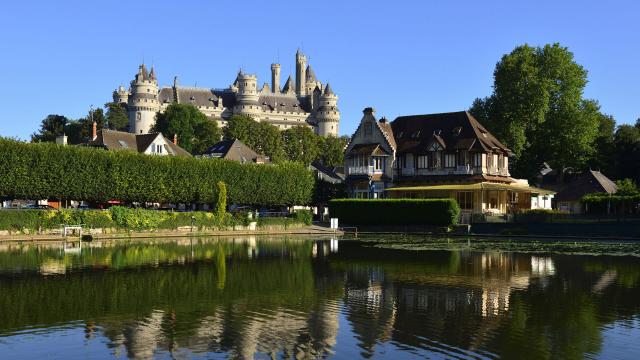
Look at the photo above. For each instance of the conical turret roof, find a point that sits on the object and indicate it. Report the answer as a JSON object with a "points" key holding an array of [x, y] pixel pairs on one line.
{"points": [[327, 90], [311, 76], [288, 86]]}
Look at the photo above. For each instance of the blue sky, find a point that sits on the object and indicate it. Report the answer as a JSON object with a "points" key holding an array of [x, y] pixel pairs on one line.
{"points": [[401, 57]]}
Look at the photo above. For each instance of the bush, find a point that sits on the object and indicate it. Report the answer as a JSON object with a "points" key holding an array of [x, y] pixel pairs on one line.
{"points": [[303, 216], [50, 171], [438, 212]]}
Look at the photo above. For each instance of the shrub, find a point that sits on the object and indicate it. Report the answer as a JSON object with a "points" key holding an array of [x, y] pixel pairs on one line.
{"points": [[303, 216], [440, 212]]}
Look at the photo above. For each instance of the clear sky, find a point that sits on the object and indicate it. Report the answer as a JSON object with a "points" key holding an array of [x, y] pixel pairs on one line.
{"points": [[401, 57]]}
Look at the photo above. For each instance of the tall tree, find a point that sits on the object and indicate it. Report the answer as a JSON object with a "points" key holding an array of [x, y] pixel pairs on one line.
{"points": [[332, 150], [627, 149], [301, 144], [117, 117], [50, 127], [537, 109], [188, 123], [604, 156]]}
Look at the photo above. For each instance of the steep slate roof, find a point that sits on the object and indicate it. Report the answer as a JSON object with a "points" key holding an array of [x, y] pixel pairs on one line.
{"points": [[328, 90], [588, 183], [234, 150], [120, 140], [283, 102], [196, 96], [387, 131], [455, 130]]}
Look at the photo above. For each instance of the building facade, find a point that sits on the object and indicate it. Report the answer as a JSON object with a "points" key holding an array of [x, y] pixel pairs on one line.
{"points": [[434, 156], [307, 102]]}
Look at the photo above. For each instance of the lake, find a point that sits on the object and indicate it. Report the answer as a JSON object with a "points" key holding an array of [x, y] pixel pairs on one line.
{"points": [[300, 297]]}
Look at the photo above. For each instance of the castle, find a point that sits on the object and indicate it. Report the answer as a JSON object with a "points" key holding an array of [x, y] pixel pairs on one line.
{"points": [[308, 102]]}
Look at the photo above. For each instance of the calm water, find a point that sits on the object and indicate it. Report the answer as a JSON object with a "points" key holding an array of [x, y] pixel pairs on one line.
{"points": [[252, 297]]}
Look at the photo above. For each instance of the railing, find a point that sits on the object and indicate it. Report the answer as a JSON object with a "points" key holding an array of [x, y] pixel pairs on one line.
{"points": [[359, 170]]}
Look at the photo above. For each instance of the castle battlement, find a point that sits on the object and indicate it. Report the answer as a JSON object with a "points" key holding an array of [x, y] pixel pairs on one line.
{"points": [[296, 104]]}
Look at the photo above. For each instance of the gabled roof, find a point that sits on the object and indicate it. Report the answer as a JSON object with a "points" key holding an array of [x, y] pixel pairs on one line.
{"points": [[454, 130], [368, 149], [590, 182], [120, 140], [283, 102], [234, 150]]}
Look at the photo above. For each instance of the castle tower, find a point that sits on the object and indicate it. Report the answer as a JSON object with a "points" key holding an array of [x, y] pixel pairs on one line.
{"points": [[311, 82], [121, 96], [143, 102], [301, 76], [275, 78], [247, 96], [328, 116]]}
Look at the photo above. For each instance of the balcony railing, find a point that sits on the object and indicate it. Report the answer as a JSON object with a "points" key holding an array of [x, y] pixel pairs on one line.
{"points": [[363, 170]]}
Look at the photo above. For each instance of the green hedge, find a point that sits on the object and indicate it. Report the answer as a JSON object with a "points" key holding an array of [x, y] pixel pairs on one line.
{"points": [[50, 171], [601, 203], [440, 212]]}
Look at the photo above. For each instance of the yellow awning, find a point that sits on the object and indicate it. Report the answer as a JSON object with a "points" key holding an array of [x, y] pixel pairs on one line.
{"points": [[476, 186]]}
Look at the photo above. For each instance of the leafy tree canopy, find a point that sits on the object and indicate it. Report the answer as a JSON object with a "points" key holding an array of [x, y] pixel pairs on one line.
{"points": [[51, 127], [117, 117], [538, 110], [194, 130]]}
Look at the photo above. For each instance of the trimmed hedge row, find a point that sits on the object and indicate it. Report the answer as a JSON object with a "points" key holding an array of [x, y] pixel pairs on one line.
{"points": [[438, 212], [50, 171]]}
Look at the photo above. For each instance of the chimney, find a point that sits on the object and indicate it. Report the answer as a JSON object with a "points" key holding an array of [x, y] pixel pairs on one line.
{"points": [[383, 120], [94, 130], [175, 139], [369, 111]]}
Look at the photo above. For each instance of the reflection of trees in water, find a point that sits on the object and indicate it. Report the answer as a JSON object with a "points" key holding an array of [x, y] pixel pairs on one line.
{"points": [[218, 299], [515, 305]]}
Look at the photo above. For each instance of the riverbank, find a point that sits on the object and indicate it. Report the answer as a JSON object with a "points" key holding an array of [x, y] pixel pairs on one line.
{"points": [[182, 232]]}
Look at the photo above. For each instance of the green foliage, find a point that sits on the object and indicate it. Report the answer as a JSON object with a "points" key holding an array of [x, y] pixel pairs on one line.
{"points": [[603, 203], [440, 212], [303, 216], [538, 216], [301, 144], [194, 130], [51, 127], [332, 150], [221, 204], [627, 187], [627, 152], [538, 111], [117, 117], [48, 171]]}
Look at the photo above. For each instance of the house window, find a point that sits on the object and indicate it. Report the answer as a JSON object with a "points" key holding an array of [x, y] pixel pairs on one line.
{"points": [[489, 160], [423, 161], [377, 164], [465, 200], [449, 160]]}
